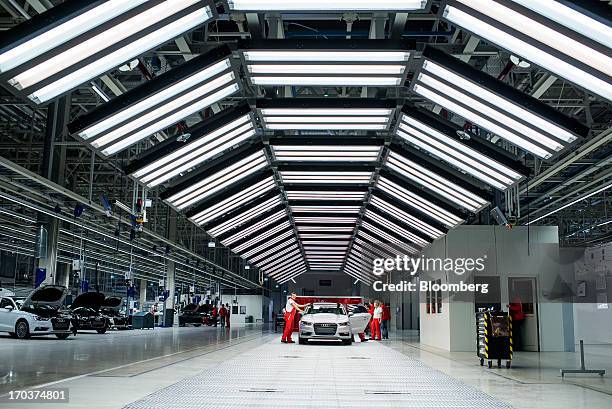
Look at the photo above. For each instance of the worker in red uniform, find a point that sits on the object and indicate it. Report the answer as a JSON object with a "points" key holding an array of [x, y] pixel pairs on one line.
{"points": [[376, 318], [384, 323], [515, 308], [291, 309], [214, 315], [371, 311], [223, 315]]}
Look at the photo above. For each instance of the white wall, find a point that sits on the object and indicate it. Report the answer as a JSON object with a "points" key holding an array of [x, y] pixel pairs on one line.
{"points": [[521, 252], [253, 303], [592, 322]]}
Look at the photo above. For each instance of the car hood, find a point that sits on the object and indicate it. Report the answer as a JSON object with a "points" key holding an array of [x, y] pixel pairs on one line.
{"points": [[324, 318], [91, 300], [112, 302], [51, 295]]}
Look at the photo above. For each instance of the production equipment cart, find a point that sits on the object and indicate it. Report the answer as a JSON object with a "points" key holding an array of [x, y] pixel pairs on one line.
{"points": [[494, 337]]}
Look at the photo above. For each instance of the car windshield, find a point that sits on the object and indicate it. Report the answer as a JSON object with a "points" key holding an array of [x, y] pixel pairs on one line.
{"points": [[324, 309]]}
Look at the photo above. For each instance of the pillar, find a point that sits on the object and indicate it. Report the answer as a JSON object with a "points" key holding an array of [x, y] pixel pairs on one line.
{"points": [[171, 270], [142, 293], [52, 168]]}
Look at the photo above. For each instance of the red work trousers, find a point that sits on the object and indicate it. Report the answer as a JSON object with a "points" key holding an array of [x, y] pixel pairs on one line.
{"points": [[376, 329], [289, 317]]}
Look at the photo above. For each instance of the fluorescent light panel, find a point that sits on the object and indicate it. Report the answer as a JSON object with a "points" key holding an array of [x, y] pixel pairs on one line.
{"points": [[244, 217], [435, 183], [395, 228], [273, 251], [326, 153], [269, 243], [325, 177], [289, 250], [322, 5], [325, 209], [566, 48], [531, 137], [164, 117], [326, 118], [220, 180], [261, 237], [457, 154], [323, 219], [232, 202], [252, 229], [196, 152], [62, 61], [325, 195], [406, 218], [325, 228]]}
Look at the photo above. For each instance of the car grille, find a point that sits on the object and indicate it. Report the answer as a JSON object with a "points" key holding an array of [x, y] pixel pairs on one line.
{"points": [[325, 329], [60, 324]]}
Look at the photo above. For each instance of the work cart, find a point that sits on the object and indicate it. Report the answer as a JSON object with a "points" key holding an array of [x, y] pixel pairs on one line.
{"points": [[494, 337]]}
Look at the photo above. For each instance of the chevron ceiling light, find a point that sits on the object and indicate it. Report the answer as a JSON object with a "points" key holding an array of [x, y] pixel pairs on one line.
{"points": [[563, 37], [76, 41], [345, 62], [326, 114], [441, 139], [522, 120], [324, 5], [159, 103], [207, 140]]}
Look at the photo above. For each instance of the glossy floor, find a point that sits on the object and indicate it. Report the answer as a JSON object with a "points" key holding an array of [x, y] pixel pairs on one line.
{"points": [[118, 369]]}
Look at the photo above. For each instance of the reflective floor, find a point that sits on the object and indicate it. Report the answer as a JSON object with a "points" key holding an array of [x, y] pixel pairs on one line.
{"points": [[208, 367]]}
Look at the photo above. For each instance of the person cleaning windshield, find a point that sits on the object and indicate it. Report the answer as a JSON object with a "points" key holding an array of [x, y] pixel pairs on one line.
{"points": [[290, 311]]}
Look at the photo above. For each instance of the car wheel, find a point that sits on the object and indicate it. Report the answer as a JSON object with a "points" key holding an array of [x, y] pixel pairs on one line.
{"points": [[22, 329], [101, 330], [62, 336], [196, 325], [302, 341]]}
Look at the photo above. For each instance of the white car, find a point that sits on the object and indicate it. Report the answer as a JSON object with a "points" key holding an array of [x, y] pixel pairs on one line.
{"points": [[38, 314], [330, 322]]}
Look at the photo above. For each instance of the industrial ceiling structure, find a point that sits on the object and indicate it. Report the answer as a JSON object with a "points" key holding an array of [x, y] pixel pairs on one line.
{"points": [[279, 138]]}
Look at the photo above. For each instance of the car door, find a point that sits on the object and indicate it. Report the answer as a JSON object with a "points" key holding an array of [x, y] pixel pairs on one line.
{"points": [[7, 316], [359, 318]]}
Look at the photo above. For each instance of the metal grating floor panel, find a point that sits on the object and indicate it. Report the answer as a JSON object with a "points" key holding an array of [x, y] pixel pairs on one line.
{"points": [[364, 375]]}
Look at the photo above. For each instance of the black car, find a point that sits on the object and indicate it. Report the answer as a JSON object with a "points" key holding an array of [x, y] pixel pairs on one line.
{"points": [[192, 314], [86, 313], [114, 318]]}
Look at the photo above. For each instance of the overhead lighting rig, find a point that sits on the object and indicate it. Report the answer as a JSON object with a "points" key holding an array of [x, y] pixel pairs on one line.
{"points": [[347, 62], [208, 140], [159, 103], [326, 6], [76, 41], [520, 119], [569, 38], [464, 151], [424, 174], [326, 114]]}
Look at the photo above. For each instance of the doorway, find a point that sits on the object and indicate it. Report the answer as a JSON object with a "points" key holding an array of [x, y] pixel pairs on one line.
{"points": [[523, 291]]}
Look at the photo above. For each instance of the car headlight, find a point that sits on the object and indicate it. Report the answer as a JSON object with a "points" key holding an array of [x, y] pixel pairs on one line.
{"points": [[39, 318], [308, 323], [343, 323]]}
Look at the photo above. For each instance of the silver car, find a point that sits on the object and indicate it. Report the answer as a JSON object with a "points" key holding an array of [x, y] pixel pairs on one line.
{"points": [[325, 322], [38, 314]]}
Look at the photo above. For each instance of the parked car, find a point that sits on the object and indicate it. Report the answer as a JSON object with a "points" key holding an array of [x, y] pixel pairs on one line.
{"points": [[114, 318], [38, 314], [86, 313], [191, 314], [330, 322]]}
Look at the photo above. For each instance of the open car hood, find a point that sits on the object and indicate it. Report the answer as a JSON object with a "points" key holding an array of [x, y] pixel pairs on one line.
{"points": [[91, 300], [52, 295], [112, 302]]}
